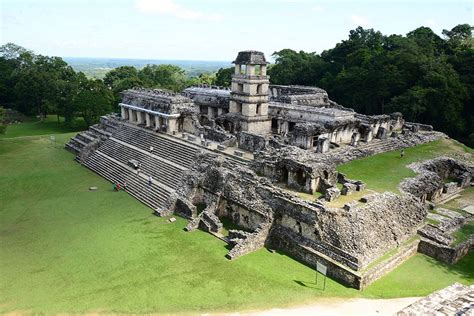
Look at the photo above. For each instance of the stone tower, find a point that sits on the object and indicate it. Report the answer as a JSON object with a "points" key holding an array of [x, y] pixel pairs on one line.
{"points": [[249, 95]]}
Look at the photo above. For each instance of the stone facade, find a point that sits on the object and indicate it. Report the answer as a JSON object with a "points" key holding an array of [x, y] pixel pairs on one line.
{"points": [[295, 136], [456, 299]]}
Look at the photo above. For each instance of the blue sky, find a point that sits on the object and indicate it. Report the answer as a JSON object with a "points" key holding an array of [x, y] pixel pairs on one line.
{"points": [[209, 29]]}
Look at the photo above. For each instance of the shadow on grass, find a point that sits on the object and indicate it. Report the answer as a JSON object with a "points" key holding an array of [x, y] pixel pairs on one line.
{"points": [[464, 268], [312, 285]]}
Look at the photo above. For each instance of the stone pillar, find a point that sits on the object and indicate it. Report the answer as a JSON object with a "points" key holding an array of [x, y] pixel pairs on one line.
{"points": [[219, 111], [147, 119], [171, 125], [139, 117], [369, 136], [131, 118], [122, 110], [323, 145], [210, 112], [157, 122]]}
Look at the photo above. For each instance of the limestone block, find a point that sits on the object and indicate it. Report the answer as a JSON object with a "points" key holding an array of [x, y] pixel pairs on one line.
{"points": [[450, 187], [348, 188], [239, 153], [360, 186], [332, 194], [349, 206], [367, 198]]}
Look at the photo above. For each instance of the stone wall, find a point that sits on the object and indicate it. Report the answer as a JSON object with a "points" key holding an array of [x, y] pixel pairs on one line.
{"points": [[447, 254], [251, 142], [429, 183]]}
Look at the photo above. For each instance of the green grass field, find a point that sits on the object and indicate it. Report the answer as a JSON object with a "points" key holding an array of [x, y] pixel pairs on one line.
{"points": [[65, 249], [49, 125], [383, 172]]}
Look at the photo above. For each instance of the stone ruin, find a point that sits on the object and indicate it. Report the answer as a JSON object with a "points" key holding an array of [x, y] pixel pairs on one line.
{"points": [[245, 155], [438, 178]]}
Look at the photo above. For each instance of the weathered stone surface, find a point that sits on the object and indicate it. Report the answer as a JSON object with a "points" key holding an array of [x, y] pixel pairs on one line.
{"points": [[332, 194], [456, 299], [429, 184], [348, 188]]}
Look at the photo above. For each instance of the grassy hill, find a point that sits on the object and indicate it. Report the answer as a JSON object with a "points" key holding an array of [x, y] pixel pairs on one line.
{"points": [[66, 249]]}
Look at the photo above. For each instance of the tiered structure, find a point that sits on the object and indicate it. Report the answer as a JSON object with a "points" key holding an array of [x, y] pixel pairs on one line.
{"points": [[249, 95], [242, 152]]}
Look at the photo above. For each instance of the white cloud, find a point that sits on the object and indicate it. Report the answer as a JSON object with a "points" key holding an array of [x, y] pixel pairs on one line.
{"points": [[171, 8], [360, 21]]}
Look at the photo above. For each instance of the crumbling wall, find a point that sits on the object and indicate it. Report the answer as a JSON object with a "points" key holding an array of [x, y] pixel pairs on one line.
{"points": [[252, 142], [429, 184]]}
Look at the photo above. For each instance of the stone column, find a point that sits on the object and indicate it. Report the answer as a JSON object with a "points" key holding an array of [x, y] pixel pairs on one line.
{"points": [[157, 122], [131, 118], [210, 113], [122, 110], [139, 117], [171, 125], [147, 119]]}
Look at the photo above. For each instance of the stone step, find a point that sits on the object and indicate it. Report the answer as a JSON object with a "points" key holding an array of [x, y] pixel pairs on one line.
{"points": [[159, 170], [155, 196], [163, 147]]}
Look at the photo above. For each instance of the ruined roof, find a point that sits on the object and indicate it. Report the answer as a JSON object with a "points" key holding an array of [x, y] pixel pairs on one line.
{"points": [[209, 95], [297, 89], [157, 94], [208, 90], [250, 57], [163, 101], [321, 111]]}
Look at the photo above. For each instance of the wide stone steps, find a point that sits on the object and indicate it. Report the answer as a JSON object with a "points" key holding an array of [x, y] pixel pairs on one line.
{"points": [[173, 151], [85, 137], [153, 196], [160, 170]]}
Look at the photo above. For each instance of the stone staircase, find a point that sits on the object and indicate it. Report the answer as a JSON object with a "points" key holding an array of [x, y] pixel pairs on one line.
{"points": [[160, 169], [103, 130], [155, 196], [120, 143], [172, 150]]}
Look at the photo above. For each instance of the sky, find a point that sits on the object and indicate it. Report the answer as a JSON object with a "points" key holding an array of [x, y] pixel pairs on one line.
{"points": [[210, 29]]}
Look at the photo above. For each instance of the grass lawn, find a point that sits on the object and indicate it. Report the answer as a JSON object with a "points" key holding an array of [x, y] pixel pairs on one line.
{"points": [[50, 125], [383, 172], [66, 249], [464, 233]]}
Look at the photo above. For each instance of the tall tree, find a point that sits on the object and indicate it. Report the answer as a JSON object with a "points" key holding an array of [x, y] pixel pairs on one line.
{"points": [[93, 100], [224, 76]]}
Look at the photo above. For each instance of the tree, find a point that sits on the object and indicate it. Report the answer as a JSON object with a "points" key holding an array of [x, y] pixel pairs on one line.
{"points": [[163, 76], [224, 76], [93, 100], [3, 126], [293, 67], [120, 73], [458, 36], [13, 51], [44, 84]]}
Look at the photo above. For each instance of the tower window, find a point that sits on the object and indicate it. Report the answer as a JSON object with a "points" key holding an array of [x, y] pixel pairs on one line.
{"points": [[239, 107], [243, 69], [258, 70], [240, 87], [259, 89], [259, 106]]}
